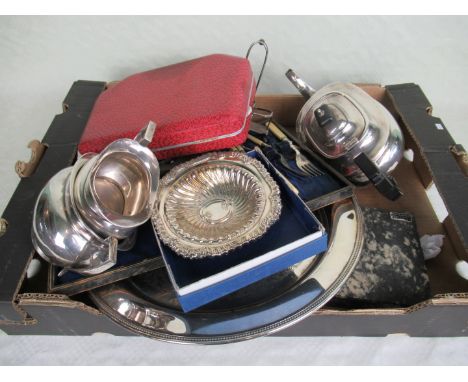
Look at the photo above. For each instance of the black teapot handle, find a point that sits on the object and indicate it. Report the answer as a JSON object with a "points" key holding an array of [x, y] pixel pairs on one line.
{"points": [[384, 183]]}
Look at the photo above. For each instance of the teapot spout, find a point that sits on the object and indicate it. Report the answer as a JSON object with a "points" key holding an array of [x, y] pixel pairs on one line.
{"points": [[305, 89]]}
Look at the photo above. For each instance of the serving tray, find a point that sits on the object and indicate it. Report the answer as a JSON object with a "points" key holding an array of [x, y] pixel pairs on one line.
{"points": [[147, 304]]}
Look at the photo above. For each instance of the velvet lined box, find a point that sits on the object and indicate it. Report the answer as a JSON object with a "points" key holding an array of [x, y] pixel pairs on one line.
{"points": [[296, 236]]}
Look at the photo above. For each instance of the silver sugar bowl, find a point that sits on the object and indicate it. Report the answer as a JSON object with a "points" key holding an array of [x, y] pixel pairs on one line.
{"points": [[353, 131], [86, 212]]}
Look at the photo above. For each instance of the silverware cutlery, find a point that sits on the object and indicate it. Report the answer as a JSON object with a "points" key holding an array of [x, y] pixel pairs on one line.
{"points": [[302, 162]]}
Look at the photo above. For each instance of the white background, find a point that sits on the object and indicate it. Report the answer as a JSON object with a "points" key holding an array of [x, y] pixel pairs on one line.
{"points": [[40, 57]]}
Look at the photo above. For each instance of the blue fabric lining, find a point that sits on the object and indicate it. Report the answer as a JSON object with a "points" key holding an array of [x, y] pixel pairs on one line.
{"points": [[309, 187], [293, 224]]}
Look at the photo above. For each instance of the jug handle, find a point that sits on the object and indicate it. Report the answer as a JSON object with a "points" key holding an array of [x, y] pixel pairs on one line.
{"points": [[146, 134]]}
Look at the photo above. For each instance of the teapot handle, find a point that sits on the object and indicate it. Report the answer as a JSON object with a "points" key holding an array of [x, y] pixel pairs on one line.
{"points": [[384, 183]]}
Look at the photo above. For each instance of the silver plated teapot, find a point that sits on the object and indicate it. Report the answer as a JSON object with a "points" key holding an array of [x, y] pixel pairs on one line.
{"points": [[353, 131]]}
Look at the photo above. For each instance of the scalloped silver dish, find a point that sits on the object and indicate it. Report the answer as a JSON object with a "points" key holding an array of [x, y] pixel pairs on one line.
{"points": [[215, 203]]}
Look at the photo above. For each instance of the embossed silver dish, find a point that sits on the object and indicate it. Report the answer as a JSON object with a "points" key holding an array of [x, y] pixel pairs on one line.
{"points": [[215, 203]]}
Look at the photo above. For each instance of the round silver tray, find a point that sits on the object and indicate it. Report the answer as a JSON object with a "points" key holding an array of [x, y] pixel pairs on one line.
{"points": [[215, 203], [147, 304]]}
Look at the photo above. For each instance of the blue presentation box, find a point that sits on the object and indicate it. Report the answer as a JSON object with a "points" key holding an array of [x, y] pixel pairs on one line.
{"points": [[296, 236]]}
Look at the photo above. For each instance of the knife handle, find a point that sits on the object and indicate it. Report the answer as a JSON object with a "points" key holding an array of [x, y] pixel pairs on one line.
{"points": [[276, 131], [257, 141]]}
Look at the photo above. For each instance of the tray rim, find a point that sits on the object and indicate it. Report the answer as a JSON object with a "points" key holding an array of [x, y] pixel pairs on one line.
{"points": [[263, 330]]}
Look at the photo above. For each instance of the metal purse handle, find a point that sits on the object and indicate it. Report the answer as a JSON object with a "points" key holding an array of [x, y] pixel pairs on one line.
{"points": [[265, 46]]}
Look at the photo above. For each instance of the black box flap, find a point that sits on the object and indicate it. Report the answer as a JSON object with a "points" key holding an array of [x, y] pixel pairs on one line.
{"points": [[435, 144]]}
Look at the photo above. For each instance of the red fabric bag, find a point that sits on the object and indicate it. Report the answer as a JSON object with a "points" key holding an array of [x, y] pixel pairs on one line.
{"points": [[199, 105]]}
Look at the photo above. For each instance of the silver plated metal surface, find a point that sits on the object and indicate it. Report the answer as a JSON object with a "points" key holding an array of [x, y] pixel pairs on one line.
{"points": [[87, 211], [147, 304], [304, 88], [260, 42], [116, 190], [61, 237], [354, 124], [304, 164], [215, 203]]}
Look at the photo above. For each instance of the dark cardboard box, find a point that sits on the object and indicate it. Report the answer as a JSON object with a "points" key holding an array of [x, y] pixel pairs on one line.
{"points": [[27, 308]]}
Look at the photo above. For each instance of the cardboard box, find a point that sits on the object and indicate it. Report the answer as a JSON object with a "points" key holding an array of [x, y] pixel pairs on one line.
{"points": [[27, 308]]}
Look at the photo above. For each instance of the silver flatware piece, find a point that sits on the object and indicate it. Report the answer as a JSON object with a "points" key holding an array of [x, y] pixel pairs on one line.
{"points": [[304, 164]]}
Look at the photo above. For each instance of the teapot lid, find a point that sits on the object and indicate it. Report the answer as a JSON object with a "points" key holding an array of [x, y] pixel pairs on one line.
{"points": [[335, 123]]}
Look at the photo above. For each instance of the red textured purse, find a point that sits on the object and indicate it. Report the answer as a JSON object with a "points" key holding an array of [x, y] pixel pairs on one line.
{"points": [[199, 105]]}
